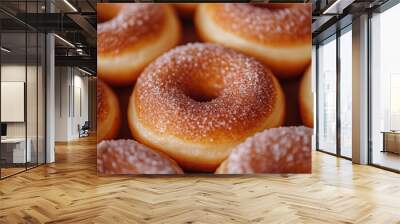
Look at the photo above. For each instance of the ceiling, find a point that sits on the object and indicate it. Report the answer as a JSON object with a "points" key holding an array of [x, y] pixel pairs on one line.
{"points": [[72, 20], [75, 21], [331, 15]]}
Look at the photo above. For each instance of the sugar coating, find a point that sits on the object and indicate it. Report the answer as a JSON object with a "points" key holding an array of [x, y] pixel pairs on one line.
{"points": [[288, 23], [245, 94], [131, 157], [134, 23], [102, 103], [276, 150]]}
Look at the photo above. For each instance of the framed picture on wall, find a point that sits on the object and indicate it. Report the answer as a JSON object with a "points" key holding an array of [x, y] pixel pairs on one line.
{"points": [[12, 101]]}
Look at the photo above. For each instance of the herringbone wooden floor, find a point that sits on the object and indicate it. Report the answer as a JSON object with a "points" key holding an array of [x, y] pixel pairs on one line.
{"points": [[69, 191]]}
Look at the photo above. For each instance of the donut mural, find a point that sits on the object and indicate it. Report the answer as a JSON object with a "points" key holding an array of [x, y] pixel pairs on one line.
{"points": [[221, 88]]}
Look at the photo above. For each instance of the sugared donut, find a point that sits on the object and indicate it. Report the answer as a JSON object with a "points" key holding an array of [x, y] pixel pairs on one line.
{"points": [[199, 100], [107, 11], [278, 35], [131, 157], [131, 36], [108, 112], [276, 150], [306, 99]]}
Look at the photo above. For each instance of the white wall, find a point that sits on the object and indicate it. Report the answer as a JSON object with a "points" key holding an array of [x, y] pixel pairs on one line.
{"points": [[70, 83], [12, 73], [33, 126], [80, 84], [61, 103]]}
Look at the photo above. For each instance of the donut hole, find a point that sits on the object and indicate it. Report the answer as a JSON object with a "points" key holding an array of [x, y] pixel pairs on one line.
{"points": [[106, 12], [203, 89]]}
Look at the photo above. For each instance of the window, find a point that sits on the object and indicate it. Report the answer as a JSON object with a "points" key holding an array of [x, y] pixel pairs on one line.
{"points": [[346, 95], [327, 96], [22, 78], [385, 89]]}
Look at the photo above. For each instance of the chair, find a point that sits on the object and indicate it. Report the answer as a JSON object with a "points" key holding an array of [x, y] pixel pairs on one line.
{"points": [[84, 130]]}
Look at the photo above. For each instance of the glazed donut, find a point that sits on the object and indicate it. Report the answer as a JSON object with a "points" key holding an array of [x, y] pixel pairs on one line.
{"points": [[108, 112], [276, 150], [186, 9], [197, 101], [306, 99], [130, 157], [278, 35], [133, 36]]}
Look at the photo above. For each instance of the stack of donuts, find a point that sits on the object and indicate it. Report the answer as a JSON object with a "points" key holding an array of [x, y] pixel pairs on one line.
{"points": [[212, 88]]}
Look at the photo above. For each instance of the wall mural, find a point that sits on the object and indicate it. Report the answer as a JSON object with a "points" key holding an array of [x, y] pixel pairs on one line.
{"points": [[204, 88]]}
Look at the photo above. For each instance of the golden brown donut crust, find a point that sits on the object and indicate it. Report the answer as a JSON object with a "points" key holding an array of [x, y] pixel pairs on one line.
{"points": [[130, 157], [108, 112], [275, 150], [272, 23], [133, 24], [206, 96], [246, 94], [306, 100], [107, 11], [135, 36], [278, 35]]}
